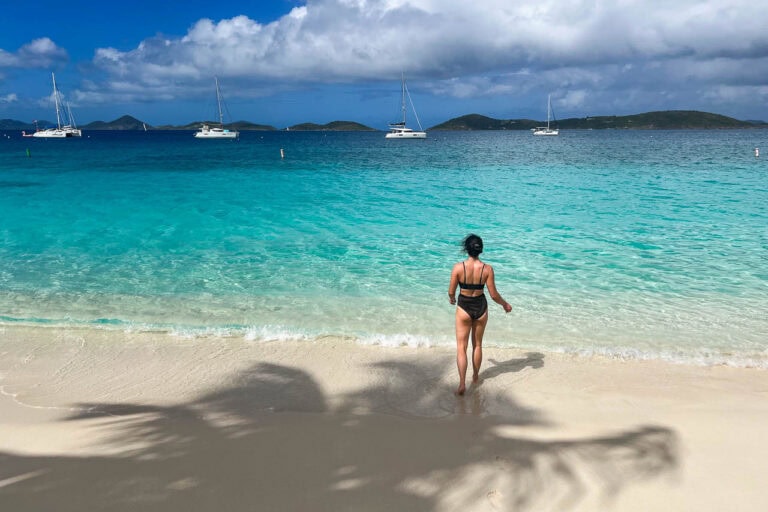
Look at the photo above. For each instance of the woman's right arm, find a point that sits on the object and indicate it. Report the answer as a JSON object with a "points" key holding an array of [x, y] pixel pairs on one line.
{"points": [[453, 284]]}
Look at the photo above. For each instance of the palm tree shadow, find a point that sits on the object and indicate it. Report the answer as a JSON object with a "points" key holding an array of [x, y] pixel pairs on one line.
{"points": [[271, 440]]}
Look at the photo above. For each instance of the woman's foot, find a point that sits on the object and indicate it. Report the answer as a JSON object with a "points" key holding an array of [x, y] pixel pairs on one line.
{"points": [[461, 390]]}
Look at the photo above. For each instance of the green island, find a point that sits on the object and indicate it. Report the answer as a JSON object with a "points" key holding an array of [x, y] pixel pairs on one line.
{"points": [[335, 126], [662, 120]]}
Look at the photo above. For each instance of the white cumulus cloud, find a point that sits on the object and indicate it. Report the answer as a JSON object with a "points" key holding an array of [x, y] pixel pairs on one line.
{"points": [[462, 49], [9, 98], [39, 53]]}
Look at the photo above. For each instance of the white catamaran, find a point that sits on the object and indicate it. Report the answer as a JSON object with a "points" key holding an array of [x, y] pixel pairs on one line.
{"points": [[399, 130], [541, 130], [62, 131], [217, 132]]}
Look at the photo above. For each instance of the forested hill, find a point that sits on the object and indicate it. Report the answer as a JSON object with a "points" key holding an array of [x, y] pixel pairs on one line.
{"points": [[338, 126], [124, 123], [663, 120]]}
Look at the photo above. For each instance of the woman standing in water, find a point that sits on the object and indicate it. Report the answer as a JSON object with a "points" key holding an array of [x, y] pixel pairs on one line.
{"points": [[472, 275]]}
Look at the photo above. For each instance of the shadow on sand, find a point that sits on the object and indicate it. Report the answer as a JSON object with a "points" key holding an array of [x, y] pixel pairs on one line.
{"points": [[533, 359], [272, 441]]}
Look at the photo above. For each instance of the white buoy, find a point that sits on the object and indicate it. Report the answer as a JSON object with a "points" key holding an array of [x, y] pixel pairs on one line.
{"points": [[757, 152], [282, 153]]}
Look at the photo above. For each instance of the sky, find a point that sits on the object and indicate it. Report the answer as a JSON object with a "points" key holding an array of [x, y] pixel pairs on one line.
{"points": [[283, 62]]}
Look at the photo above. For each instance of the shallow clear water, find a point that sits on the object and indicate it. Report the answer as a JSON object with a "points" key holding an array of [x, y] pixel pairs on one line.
{"points": [[633, 243]]}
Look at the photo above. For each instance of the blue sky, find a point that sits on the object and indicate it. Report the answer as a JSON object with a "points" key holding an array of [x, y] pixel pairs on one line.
{"points": [[281, 62]]}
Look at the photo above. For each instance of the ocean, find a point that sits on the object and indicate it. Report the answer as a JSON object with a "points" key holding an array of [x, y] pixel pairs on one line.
{"points": [[630, 244]]}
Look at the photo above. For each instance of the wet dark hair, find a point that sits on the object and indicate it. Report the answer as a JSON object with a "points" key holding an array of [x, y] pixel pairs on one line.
{"points": [[473, 245]]}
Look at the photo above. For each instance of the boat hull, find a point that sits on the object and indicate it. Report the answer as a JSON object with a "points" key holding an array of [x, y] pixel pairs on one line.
{"points": [[57, 133], [405, 134], [216, 133]]}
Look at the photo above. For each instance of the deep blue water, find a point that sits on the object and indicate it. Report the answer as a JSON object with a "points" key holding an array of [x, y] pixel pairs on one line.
{"points": [[631, 243]]}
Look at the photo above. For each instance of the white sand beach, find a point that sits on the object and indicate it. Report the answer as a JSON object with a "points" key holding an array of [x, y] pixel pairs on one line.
{"points": [[99, 420]]}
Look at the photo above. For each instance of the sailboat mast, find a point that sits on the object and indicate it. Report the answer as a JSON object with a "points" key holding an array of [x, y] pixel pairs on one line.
{"points": [[549, 109], [403, 102], [56, 101], [218, 101]]}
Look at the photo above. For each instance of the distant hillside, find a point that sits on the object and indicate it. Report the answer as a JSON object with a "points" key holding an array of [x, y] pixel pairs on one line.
{"points": [[479, 122], [247, 125], [12, 124], [237, 125], [337, 126], [663, 120], [123, 123]]}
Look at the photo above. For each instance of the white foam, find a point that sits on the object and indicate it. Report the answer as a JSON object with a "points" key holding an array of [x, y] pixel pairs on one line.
{"points": [[274, 333], [401, 340], [507, 332]]}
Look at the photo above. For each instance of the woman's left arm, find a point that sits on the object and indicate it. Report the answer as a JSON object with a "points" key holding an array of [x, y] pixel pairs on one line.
{"points": [[495, 295]]}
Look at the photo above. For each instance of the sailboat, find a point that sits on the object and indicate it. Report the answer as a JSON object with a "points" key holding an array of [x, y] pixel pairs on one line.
{"points": [[400, 130], [541, 130], [217, 132], [62, 130]]}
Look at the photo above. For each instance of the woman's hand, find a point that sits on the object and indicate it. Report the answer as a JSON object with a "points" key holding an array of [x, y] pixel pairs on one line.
{"points": [[451, 299], [507, 307]]}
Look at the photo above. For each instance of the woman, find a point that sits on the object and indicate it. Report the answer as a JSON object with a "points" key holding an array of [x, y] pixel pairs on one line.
{"points": [[472, 275]]}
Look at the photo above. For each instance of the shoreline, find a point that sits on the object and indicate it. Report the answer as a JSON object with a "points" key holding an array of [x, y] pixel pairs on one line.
{"points": [[94, 420], [525, 340]]}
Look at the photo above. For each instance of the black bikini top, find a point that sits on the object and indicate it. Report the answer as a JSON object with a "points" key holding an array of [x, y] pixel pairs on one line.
{"points": [[471, 286]]}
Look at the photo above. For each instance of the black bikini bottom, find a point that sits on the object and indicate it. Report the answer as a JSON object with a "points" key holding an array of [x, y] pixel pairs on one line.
{"points": [[474, 306]]}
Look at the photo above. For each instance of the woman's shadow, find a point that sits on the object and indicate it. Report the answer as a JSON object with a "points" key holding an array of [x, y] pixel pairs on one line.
{"points": [[533, 359], [478, 402]]}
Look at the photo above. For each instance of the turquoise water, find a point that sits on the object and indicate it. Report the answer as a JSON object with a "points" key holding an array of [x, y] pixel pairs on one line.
{"points": [[646, 244]]}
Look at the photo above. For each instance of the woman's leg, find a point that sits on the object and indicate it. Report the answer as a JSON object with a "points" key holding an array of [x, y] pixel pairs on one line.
{"points": [[463, 327], [478, 329]]}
